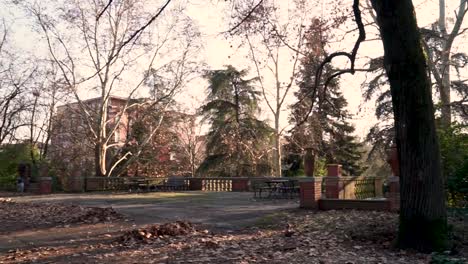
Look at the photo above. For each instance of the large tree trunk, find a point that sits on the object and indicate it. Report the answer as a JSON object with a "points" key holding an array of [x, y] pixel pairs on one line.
{"points": [[423, 220], [101, 144]]}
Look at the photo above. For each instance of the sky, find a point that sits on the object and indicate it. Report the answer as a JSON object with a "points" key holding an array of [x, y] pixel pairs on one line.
{"points": [[219, 53], [211, 18]]}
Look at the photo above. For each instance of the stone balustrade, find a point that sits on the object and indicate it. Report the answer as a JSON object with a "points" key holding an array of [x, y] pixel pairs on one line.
{"points": [[345, 192]]}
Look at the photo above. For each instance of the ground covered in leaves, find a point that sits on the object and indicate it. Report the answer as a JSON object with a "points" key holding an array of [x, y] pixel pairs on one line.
{"points": [[293, 237], [287, 236], [22, 216]]}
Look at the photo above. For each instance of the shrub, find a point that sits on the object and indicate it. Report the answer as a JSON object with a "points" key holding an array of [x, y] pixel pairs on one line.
{"points": [[454, 154]]}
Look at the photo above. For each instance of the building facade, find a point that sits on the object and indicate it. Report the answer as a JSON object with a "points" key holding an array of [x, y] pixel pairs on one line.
{"points": [[154, 135]]}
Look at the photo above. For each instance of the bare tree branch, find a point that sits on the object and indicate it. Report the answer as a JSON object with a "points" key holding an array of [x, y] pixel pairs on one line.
{"points": [[234, 28], [104, 10], [351, 57]]}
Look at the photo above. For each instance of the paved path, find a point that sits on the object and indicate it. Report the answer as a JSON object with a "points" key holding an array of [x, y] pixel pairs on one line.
{"points": [[217, 210]]}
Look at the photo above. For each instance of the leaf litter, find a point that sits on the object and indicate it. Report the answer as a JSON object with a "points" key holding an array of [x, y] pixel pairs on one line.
{"points": [[295, 237]]}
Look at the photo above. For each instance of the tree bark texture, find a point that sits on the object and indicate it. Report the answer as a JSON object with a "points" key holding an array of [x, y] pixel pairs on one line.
{"points": [[423, 221]]}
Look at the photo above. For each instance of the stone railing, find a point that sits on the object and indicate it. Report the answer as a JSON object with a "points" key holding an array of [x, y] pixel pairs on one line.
{"points": [[220, 184], [213, 184], [352, 187], [217, 184], [232, 184], [341, 192]]}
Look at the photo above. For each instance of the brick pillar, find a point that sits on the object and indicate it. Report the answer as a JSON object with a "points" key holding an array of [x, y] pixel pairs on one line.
{"points": [[45, 182], [45, 185], [333, 185], [311, 192], [196, 184], [394, 193], [75, 183], [240, 184]]}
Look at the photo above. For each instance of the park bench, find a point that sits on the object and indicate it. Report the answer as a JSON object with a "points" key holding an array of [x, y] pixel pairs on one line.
{"points": [[174, 184], [276, 188]]}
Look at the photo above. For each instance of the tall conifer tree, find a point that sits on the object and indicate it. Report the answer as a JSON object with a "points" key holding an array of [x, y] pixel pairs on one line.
{"points": [[327, 131]]}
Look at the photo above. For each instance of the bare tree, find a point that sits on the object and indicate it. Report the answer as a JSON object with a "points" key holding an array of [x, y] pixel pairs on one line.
{"points": [[440, 54], [46, 91], [190, 140], [16, 75], [99, 47], [438, 43], [275, 43]]}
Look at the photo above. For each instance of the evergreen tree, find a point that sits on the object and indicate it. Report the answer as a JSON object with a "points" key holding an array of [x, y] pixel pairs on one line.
{"points": [[327, 130], [237, 140]]}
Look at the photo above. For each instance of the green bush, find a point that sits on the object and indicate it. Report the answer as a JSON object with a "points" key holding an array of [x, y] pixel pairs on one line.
{"points": [[8, 182], [454, 154], [297, 166], [10, 157]]}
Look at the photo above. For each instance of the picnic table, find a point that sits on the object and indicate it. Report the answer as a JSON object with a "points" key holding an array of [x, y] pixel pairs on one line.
{"points": [[137, 184], [174, 184], [278, 188]]}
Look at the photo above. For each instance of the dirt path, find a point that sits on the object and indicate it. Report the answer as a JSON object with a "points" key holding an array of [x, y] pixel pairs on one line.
{"points": [[218, 211]]}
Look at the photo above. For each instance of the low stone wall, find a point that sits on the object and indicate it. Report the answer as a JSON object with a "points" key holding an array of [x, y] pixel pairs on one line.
{"points": [[348, 192], [339, 204]]}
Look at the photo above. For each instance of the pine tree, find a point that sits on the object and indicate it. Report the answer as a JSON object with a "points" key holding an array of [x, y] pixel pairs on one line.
{"points": [[237, 140], [327, 130]]}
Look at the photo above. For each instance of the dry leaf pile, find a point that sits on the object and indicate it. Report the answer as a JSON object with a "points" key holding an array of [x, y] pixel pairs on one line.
{"points": [[325, 237], [177, 228], [20, 216]]}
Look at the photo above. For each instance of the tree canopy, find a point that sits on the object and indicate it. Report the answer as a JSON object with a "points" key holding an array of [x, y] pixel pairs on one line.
{"points": [[237, 140]]}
